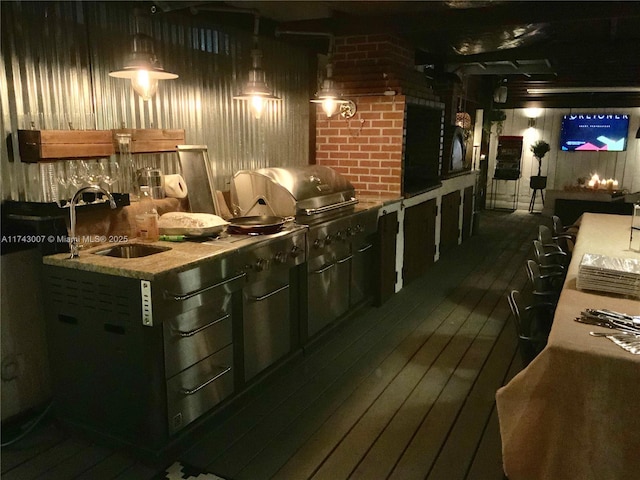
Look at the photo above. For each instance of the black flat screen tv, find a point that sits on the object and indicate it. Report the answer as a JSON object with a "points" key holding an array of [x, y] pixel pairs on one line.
{"points": [[594, 132]]}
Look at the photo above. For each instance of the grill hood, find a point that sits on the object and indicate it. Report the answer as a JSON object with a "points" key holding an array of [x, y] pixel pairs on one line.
{"points": [[308, 191]]}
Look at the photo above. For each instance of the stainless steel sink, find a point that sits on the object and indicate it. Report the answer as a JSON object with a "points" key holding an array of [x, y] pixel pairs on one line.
{"points": [[131, 250]]}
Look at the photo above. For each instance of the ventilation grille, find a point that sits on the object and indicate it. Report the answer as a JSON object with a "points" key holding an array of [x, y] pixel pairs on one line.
{"points": [[101, 297]]}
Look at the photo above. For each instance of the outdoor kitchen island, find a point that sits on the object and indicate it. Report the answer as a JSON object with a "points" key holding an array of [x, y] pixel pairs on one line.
{"points": [[144, 351]]}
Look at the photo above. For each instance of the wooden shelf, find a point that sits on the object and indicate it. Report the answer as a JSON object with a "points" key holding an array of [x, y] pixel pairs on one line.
{"points": [[151, 140], [51, 145]]}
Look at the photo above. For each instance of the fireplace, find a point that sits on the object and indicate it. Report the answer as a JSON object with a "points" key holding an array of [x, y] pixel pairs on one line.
{"points": [[422, 151]]}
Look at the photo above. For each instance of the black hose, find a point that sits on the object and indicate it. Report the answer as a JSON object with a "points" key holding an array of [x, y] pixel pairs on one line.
{"points": [[28, 427]]}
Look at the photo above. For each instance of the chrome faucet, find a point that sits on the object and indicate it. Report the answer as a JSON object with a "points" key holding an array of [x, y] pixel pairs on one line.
{"points": [[73, 241]]}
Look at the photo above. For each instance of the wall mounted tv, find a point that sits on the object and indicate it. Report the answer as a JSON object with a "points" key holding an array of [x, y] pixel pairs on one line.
{"points": [[594, 132]]}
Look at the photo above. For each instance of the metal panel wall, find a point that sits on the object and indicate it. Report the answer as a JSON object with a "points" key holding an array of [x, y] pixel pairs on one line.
{"points": [[55, 61]]}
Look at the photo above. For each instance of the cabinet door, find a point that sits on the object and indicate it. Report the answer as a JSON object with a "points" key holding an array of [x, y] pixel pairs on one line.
{"points": [[362, 273], [386, 257], [199, 388], [467, 213], [266, 323], [450, 221], [328, 289], [419, 239]]}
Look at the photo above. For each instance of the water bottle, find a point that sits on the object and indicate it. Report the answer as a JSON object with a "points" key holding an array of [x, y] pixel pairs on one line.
{"points": [[147, 219]]}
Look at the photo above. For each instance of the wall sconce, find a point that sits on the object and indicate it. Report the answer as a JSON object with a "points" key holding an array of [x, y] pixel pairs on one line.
{"points": [[532, 123], [142, 66], [328, 95], [255, 89]]}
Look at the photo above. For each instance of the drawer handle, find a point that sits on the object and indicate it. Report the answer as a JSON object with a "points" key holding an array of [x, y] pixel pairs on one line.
{"points": [[345, 259], [191, 333], [322, 270], [191, 391], [270, 294], [186, 296], [365, 248]]}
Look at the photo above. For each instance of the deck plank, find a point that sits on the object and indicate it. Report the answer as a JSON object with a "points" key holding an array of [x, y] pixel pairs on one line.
{"points": [[477, 332], [462, 441], [76, 465], [487, 461], [47, 460], [352, 448]]}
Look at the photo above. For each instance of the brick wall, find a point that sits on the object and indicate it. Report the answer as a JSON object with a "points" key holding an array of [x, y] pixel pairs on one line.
{"points": [[368, 148]]}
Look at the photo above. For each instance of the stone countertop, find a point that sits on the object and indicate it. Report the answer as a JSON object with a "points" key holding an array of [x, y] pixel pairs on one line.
{"points": [[180, 256]]}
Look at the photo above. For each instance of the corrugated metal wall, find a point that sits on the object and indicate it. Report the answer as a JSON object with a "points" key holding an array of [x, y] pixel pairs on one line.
{"points": [[56, 57]]}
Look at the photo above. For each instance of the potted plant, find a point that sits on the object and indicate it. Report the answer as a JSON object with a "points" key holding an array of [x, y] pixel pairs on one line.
{"points": [[539, 149], [497, 117]]}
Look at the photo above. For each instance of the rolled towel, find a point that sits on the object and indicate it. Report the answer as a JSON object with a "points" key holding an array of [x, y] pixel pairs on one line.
{"points": [[175, 186]]}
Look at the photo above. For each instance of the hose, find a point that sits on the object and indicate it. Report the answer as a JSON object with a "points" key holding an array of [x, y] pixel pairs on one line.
{"points": [[28, 427]]}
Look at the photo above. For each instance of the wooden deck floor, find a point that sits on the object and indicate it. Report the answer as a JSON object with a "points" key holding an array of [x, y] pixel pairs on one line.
{"points": [[400, 392]]}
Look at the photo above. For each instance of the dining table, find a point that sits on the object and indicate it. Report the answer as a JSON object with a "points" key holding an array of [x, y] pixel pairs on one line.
{"points": [[574, 411]]}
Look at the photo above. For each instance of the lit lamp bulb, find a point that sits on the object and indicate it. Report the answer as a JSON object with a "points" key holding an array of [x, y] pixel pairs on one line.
{"points": [[257, 105], [327, 97], [144, 85], [255, 90], [329, 106], [143, 68]]}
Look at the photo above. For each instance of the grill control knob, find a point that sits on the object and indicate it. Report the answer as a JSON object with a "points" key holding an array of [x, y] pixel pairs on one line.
{"points": [[328, 239], [295, 251], [340, 236], [261, 265], [318, 243], [280, 257]]}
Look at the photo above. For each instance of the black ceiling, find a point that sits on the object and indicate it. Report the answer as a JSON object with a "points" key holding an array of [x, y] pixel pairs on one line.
{"points": [[527, 44]]}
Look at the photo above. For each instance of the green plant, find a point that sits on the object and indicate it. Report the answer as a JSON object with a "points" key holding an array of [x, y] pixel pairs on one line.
{"points": [[494, 116], [540, 149]]}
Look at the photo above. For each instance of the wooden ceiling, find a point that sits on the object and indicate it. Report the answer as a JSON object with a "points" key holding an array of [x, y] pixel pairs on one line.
{"points": [[521, 44]]}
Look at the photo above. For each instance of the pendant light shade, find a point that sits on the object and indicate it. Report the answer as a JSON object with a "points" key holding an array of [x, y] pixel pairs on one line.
{"points": [[328, 95], [142, 67], [255, 90]]}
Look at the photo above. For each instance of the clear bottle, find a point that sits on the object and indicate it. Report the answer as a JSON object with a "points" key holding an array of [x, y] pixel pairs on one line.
{"points": [[147, 218], [129, 183]]}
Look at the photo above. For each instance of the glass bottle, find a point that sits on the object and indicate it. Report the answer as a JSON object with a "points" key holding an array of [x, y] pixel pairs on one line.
{"points": [[128, 169], [147, 218]]}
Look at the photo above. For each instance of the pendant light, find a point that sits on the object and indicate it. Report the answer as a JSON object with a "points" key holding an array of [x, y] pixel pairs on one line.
{"points": [[328, 95], [142, 66], [255, 90]]}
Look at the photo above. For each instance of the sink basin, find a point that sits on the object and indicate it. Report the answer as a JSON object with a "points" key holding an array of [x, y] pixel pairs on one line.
{"points": [[131, 250]]}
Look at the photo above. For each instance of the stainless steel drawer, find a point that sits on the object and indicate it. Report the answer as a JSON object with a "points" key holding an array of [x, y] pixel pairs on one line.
{"points": [[176, 299], [196, 334], [199, 388]]}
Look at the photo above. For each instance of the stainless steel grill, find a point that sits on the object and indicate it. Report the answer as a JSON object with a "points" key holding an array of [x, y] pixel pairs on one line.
{"points": [[339, 247], [309, 193]]}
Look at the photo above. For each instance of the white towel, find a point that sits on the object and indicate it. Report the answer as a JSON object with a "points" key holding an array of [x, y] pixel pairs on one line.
{"points": [[175, 186]]}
